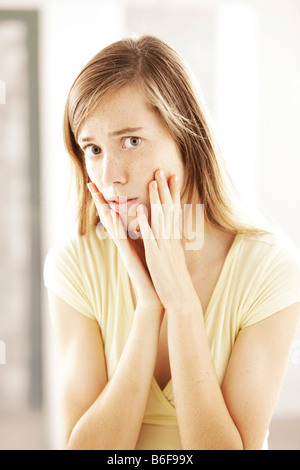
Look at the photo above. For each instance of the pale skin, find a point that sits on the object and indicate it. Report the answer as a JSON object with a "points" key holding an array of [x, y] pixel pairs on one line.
{"points": [[168, 337]]}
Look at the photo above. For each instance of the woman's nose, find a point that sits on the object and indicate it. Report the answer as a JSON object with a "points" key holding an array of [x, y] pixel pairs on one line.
{"points": [[113, 170]]}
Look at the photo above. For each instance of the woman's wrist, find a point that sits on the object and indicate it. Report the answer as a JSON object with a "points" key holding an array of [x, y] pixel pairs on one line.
{"points": [[184, 306], [149, 315]]}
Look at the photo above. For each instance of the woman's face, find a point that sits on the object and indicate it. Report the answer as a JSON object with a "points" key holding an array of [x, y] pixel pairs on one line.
{"points": [[125, 142]]}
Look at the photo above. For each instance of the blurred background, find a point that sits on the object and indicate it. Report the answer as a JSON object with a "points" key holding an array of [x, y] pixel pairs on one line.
{"points": [[246, 57]]}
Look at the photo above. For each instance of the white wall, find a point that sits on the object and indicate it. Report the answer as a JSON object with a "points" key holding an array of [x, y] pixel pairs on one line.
{"points": [[258, 119], [278, 171]]}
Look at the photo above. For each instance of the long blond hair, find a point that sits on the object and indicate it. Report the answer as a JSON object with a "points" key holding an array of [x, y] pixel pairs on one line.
{"points": [[155, 66]]}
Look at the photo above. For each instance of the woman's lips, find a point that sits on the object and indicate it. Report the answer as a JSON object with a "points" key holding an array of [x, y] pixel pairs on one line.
{"points": [[123, 204]]}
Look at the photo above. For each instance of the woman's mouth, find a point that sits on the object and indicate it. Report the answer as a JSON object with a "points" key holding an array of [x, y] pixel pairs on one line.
{"points": [[122, 204]]}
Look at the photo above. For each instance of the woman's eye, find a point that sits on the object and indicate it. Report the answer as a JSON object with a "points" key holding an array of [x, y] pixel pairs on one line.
{"points": [[92, 150], [131, 142]]}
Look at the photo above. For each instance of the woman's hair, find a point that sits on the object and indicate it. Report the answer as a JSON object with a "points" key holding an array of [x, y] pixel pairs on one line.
{"points": [[159, 70]]}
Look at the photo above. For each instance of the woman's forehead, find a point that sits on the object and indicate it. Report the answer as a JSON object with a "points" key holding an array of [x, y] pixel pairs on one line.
{"points": [[126, 110]]}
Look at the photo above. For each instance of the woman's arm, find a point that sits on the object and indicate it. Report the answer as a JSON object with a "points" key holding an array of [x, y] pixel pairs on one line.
{"points": [[203, 418], [238, 416], [97, 413]]}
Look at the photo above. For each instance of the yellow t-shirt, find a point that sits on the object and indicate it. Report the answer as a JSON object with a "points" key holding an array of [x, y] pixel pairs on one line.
{"points": [[260, 276]]}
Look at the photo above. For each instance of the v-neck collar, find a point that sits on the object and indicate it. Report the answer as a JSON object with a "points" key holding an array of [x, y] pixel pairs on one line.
{"points": [[164, 394]]}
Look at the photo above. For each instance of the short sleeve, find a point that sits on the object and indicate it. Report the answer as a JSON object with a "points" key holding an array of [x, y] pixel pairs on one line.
{"points": [[277, 285], [63, 277]]}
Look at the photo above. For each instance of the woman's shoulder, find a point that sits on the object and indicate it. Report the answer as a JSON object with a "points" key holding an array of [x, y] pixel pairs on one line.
{"points": [[270, 249], [269, 273], [80, 250], [75, 269]]}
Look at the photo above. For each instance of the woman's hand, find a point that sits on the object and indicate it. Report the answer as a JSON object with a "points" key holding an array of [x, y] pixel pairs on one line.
{"points": [[140, 278], [164, 250]]}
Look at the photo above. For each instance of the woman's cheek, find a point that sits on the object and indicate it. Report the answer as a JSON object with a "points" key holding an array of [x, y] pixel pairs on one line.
{"points": [[88, 167], [92, 172]]}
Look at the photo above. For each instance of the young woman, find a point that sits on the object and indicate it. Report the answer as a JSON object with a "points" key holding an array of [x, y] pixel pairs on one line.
{"points": [[165, 342]]}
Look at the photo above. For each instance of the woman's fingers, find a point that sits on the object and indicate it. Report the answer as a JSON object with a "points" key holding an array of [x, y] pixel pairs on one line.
{"points": [[157, 214], [108, 217], [146, 231], [163, 188], [175, 189], [176, 209], [138, 273], [166, 221], [102, 207]]}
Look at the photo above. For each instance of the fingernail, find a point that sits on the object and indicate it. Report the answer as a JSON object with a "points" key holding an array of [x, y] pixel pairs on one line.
{"points": [[137, 234], [175, 179], [161, 174], [154, 185]]}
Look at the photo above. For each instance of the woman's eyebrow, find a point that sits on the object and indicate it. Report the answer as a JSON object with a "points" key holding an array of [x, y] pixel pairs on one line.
{"points": [[85, 139], [126, 130]]}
